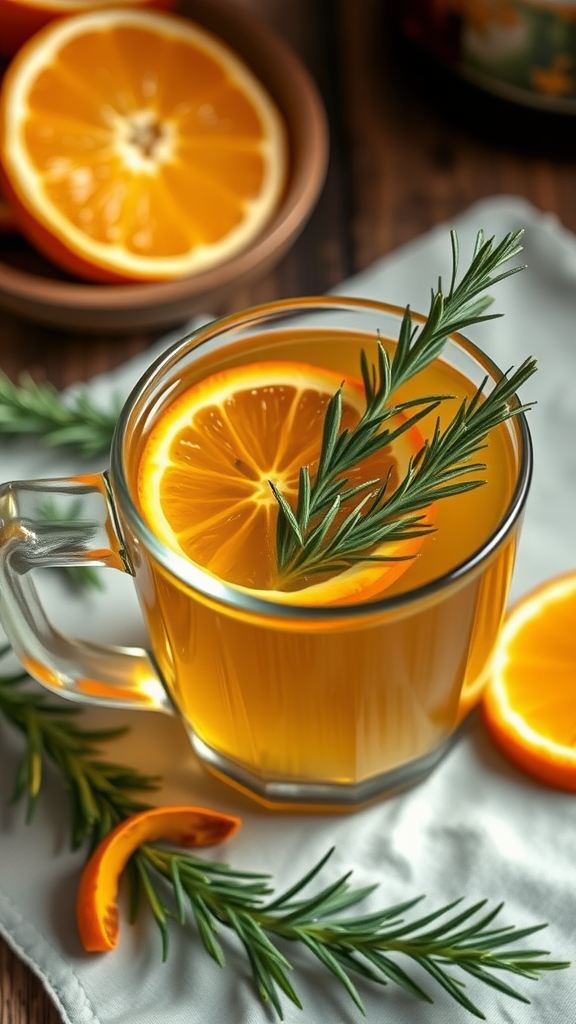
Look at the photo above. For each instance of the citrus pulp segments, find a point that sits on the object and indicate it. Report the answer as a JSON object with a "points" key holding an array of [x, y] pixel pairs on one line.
{"points": [[138, 170], [529, 703], [237, 492]]}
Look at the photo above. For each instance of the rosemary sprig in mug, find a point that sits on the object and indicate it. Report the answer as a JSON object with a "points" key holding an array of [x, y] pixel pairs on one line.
{"points": [[450, 940], [305, 542]]}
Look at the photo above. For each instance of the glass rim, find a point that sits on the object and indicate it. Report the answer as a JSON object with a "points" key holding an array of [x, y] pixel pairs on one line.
{"points": [[233, 598]]}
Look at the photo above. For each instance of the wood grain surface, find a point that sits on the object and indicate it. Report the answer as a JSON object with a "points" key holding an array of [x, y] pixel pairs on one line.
{"points": [[411, 146]]}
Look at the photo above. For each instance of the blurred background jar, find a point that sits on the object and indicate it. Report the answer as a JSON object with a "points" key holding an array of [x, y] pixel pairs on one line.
{"points": [[522, 50]]}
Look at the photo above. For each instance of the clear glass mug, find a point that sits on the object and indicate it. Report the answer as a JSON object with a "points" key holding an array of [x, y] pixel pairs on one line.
{"points": [[303, 707]]}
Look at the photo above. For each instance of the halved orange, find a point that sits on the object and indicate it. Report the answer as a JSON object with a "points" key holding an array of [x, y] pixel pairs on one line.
{"points": [[20, 19], [204, 475], [135, 145], [530, 701]]}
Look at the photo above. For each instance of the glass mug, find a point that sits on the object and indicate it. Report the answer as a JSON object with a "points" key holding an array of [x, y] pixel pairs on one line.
{"points": [[298, 706]]}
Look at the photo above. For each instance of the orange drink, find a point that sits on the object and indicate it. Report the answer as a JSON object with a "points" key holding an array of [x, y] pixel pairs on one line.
{"points": [[350, 683]]}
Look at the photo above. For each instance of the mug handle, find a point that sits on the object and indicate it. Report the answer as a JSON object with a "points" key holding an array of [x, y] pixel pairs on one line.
{"points": [[68, 522]]}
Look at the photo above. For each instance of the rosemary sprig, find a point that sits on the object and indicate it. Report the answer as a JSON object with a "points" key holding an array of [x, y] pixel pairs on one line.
{"points": [[100, 792], [446, 943], [435, 472], [306, 542], [28, 408]]}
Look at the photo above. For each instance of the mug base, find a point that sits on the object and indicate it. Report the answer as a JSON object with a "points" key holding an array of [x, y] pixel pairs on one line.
{"points": [[331, 797]]}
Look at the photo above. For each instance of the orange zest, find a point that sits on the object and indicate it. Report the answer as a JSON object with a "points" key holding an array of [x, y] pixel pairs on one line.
{"points": [[96, 901], [204, 475], [529, 703], [20, 19], [136, 146]]}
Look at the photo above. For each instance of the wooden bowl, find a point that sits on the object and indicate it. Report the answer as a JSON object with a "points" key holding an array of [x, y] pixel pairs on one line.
{"points": [[34, 289]]}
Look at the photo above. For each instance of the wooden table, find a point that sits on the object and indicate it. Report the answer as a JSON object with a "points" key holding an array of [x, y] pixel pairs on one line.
{"points": [[411, 147]]}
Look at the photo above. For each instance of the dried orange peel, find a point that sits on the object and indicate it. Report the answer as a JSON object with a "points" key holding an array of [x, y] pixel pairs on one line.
{"points": [[96, 901]]}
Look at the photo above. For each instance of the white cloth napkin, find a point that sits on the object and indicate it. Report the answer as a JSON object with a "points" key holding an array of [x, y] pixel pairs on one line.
{"points": [[475, 828]]}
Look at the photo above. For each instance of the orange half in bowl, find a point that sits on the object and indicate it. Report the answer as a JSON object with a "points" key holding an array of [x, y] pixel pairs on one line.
{"points": [[51, 296]]}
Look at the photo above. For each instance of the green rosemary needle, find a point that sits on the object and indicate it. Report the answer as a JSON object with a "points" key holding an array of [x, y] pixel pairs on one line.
{"points": [[28, 408], [449, 943], [307, 540]]}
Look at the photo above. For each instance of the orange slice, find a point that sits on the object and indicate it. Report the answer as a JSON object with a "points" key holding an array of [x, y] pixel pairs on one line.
{"points": [[96, 906], [204, 475], [136, 146], [530, 700], [20, 19]]}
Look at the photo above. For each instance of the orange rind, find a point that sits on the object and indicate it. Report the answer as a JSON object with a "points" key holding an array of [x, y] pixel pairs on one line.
{"points": [[96, 900], [529, 703]]}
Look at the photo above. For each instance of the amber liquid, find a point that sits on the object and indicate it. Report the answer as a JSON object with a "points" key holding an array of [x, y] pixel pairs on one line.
{"points": [[341, 701]]}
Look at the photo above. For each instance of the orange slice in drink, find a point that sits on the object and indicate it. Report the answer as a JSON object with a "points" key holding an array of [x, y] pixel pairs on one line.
{"points": [[530, 701], [136, 146], [20, 19], [204, 475]]}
